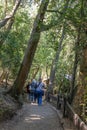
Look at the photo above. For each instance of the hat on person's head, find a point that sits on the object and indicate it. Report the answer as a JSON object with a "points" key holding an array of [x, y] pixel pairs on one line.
{"points": [[34, 81]]}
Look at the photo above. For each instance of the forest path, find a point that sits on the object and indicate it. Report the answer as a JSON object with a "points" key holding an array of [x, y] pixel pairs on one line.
{"points": [[33, 117]]}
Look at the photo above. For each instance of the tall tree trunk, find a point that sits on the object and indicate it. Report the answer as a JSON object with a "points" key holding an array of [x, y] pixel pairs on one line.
{"points": [[82, 84], [5, 7], [55, 61], [75, 67], [54, 64], [30, 51]]}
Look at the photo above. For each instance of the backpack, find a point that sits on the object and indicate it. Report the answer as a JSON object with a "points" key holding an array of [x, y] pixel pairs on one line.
{"points": [[32, 87], [39, 89]]}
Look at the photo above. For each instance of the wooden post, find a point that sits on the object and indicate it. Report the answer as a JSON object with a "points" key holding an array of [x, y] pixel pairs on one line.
{"points": [[48, 97], [64, 107], [58, 100]]}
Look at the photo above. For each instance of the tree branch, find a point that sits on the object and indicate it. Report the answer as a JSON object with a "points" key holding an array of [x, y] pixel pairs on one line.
{"points": [[5, 20], [54, 23], [56, 11], [49, 26]]}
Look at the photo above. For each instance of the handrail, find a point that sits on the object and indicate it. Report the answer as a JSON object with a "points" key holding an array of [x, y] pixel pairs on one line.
{"points": [[76, 119], [64, 104]]}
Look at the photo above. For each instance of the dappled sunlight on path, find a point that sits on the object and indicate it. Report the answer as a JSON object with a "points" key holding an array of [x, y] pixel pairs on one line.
{"points": [[33, 117]]}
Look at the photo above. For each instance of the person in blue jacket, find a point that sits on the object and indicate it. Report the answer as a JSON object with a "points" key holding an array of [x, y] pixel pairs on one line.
{"points": [[40, 91]]}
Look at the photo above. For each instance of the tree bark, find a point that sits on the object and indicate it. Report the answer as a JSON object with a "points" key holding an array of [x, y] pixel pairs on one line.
{"points": [[80, 101], [5, 7], [75, 66], [30, 51], [55, 61]]}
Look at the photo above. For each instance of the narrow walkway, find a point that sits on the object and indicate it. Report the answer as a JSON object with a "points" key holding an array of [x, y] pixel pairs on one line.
{"points": [[33, 117]]}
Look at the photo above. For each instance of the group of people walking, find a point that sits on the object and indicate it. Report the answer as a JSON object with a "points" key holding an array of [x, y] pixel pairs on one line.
{"points": [[36, 91]]}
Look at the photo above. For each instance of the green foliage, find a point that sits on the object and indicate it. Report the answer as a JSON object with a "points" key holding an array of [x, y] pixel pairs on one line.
{"points": [[15, 44], [44, 54]]}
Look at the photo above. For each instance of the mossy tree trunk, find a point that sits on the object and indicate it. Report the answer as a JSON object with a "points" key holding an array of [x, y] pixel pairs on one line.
{"points": [[30, 51]]}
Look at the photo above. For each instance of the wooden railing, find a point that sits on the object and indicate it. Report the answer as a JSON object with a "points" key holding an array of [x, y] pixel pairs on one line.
{"points": [[61, 103]]}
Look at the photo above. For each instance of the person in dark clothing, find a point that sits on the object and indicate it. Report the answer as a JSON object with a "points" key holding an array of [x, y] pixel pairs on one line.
{"points": [[28, 89]]}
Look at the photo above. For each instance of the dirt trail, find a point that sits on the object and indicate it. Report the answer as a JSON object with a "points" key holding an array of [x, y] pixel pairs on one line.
{"points": [[33, 117]]}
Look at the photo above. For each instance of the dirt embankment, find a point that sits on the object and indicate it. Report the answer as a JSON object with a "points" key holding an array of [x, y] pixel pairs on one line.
{"points": [[8, 106]]}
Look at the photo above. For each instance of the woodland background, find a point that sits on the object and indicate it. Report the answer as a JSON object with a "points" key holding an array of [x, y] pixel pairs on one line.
{"points": [[46, 38]]}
